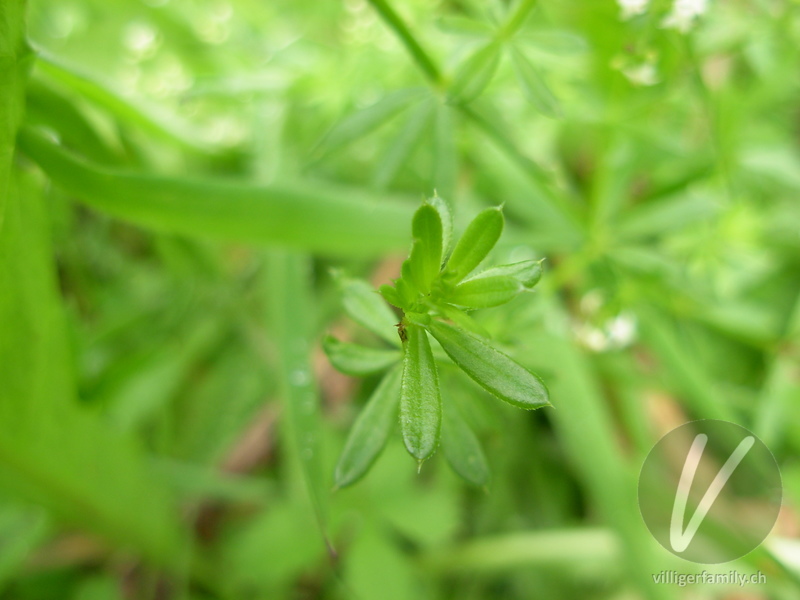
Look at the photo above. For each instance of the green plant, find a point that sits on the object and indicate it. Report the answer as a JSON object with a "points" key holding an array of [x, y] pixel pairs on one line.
{"points": [[435, 292]]}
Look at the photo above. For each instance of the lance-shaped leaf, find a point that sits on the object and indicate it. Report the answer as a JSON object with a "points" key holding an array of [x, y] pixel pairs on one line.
{"points": [[463, 320], [462, 449], [446, 217], [403, 145], [478, 240], [527, 272], [485, 292], [560, 43], [367, 308], [370, 431], [458, 25], [362, 122], [420, 403], [426, 254], [358, 360], [490, 368], [390, 294], [534, 87], [474, 74]]}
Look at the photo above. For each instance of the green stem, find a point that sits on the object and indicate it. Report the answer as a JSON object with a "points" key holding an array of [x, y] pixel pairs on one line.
{"points": [[14, 60], [417, 52]]}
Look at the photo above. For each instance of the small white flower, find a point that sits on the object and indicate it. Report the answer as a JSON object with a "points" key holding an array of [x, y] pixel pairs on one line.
{"points": [[644, 74], [631, 8], [683, 14]]}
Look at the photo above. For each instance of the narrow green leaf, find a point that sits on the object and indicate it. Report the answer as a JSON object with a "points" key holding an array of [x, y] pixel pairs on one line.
{"points": [[534, 87], [445, 155], [559, 43], [426, 254], [151, 118], [370, 431], [490, 368], [358, 360], [362, 122], [478, 240], [406, 291], [463, 320], [290, 319], [446, 217], [458, 25], [485, 292], [366, 308], [401, 148], [462, 449], [420, 403], [527, 272], [346, 222], [390, 294], [474, 74]]}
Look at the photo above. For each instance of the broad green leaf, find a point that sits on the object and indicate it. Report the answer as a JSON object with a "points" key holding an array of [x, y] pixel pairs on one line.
{"points": [[366, 308], [464, 26], [426, 254], [420, 403], [345, 222], [485, 292], [534, 87], [401, 148], [490, 368], [474, 74], [53, 451], [462, 448], [476, 242], [362, 122], [554, 42], [370, 431], [290, 322], [526, 272], [357, 360]]}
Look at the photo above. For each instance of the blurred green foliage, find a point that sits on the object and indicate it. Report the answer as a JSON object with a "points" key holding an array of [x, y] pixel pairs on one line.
{"points": [[178, 178]]}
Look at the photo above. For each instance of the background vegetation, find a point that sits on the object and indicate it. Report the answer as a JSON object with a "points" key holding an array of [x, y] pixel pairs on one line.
{"points": [[187, 173]]}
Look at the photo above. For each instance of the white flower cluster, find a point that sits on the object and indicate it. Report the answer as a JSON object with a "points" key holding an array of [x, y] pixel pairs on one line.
{"points": [[631, 8], [681, 17], [683, 14]]}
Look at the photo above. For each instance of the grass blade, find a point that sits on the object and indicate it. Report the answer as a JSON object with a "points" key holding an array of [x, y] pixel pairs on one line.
{"points": [[14, 61], [345, 222]]}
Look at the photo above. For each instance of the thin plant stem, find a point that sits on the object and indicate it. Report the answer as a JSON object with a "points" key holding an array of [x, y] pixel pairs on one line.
{"points": [[417, 52]]}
